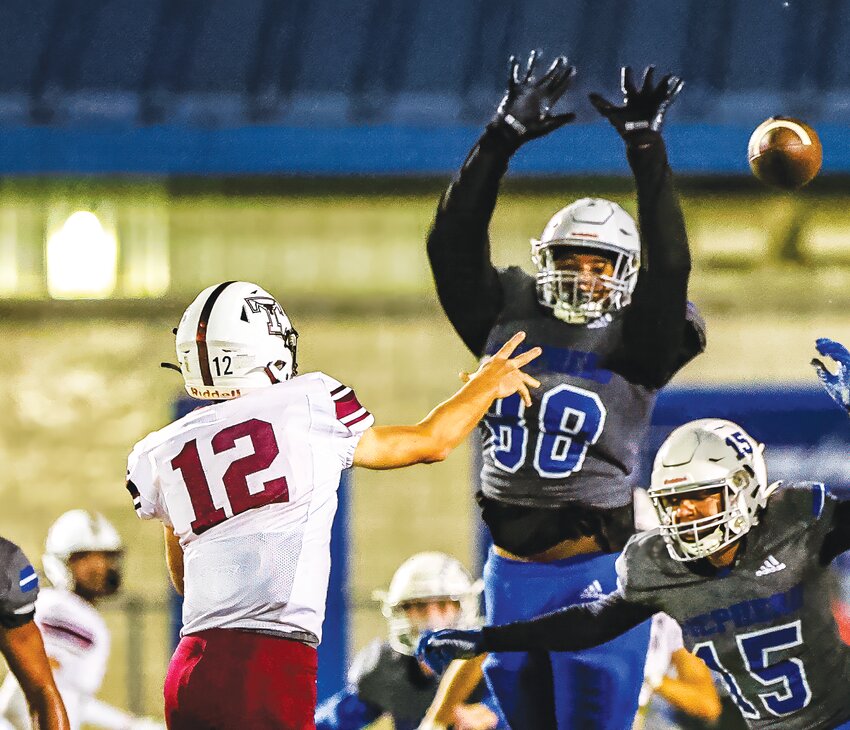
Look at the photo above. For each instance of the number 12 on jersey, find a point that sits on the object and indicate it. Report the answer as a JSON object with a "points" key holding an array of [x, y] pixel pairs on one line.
{"points": [[265, 450], [570, 420]]}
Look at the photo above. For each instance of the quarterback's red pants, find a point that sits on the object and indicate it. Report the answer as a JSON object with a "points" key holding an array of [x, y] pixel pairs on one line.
{"points": [[223, 679]]}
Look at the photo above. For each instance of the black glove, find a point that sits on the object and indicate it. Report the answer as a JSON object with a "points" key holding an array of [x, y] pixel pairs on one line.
{"points": [[523, 113], [642, 108]]}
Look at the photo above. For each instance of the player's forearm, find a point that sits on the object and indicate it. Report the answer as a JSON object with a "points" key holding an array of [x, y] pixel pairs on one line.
{"points": [[577, 627], [698, 700], [457, 684], [433, 438], [46, 708], [664, 239], [23, 649], [459, 245]]}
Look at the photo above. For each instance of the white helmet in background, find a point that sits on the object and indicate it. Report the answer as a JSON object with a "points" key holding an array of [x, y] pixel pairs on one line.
{"points": [[429, 576], [592, 226], [702, 455], [77, 531], [234, 338]]}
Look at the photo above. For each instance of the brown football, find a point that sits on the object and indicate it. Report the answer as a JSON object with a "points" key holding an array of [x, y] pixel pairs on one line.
{"points": [[785, 153]]}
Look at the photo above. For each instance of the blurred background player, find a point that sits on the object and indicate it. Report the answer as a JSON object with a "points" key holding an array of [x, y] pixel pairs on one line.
{"points": [[82, 560], [247, 491], [21, 644], [609, 308], [743, 567], [429, 591]]}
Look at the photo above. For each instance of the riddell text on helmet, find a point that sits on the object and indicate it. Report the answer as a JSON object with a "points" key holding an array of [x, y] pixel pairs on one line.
{"points": [[213, 393]]}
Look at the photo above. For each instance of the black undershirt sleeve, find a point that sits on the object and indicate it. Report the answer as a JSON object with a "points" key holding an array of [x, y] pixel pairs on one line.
{"points": [[657, 337], [580, 626], [459, 245], [14, 621], [837, 540]]}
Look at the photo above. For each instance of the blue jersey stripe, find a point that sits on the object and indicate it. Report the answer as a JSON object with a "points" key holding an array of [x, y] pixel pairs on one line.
{"points": [[818, 499], [28, 579]]}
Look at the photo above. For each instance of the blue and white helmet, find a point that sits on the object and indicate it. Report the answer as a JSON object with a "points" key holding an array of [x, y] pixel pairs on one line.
{"points": [[595, 226], [702, 455], [234, 338]]}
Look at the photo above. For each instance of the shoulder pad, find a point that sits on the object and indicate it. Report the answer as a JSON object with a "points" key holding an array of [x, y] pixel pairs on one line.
{"points": [[800, 500], [644, 566], [18, 585], [694, 316], [513, 277]]}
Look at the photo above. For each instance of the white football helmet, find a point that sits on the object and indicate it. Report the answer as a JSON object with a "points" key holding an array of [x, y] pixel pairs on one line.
{"points": [[234, 338], [429, 576], [701, 455], [77, 531], [595, 226]]}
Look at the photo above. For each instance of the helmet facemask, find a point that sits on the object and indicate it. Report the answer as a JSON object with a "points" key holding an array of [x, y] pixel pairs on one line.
{"points": [[704, 536], [576, 296], [588, 227], [709, 454]]}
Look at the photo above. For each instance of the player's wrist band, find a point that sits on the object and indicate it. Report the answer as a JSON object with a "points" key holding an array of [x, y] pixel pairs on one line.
{"points": [[515, 124]]}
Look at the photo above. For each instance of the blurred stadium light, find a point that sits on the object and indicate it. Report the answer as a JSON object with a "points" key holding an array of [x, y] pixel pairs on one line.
{"points": [[81, 258]]}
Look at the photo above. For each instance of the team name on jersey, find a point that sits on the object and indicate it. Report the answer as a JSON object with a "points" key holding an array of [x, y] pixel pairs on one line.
{"points": [[746, 613], [565, 360]]}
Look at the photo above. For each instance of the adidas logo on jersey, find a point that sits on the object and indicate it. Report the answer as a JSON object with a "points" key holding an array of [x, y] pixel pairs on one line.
{"points": [[771, 565], [592, 592]]}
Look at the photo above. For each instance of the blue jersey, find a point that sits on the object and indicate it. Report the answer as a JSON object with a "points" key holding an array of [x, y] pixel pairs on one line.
{"points": [[580, 439]]}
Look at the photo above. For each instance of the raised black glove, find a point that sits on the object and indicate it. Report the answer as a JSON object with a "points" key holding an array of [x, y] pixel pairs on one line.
{"points": [[523, 113], [642, 108]]}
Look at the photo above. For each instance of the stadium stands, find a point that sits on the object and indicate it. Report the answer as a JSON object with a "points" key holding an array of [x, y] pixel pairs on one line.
{"points": [[97, 65]]}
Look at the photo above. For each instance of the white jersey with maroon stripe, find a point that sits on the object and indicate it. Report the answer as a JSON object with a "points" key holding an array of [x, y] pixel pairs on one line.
{"points": [[249, 486], [77, 641]]}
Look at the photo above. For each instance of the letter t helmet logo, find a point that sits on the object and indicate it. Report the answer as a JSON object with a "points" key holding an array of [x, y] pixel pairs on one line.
{"points": [[272, 309]]}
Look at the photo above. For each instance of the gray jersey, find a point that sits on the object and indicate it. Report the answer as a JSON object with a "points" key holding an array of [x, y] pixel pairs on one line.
{"points": [[393, 683], [580, 439], [18, 586], [765, 625]]}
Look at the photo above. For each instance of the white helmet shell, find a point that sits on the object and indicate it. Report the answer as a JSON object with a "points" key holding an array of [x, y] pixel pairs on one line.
{"points": [[234, 338], [700, 455], [76, 531], [597, 226], [428, 576]]}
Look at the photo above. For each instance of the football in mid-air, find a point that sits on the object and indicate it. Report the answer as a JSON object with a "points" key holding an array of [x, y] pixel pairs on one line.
{"points": [[785, 153]]}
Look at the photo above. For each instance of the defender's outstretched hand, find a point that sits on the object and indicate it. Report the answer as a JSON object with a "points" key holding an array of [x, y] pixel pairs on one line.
{"points": [[504, 371], [438, 649], [524, 110], [837, 384], [642, 108]]}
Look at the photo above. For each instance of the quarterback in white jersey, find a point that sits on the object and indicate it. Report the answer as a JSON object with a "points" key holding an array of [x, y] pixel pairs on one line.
{"points": [[262, 470], [81, 561], [246, 489]]}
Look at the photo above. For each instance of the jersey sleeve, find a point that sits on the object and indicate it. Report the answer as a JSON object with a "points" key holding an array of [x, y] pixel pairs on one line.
{"points": [[18, 586], [637, 577], [348, 419], [459, 244], [141, 484]]}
